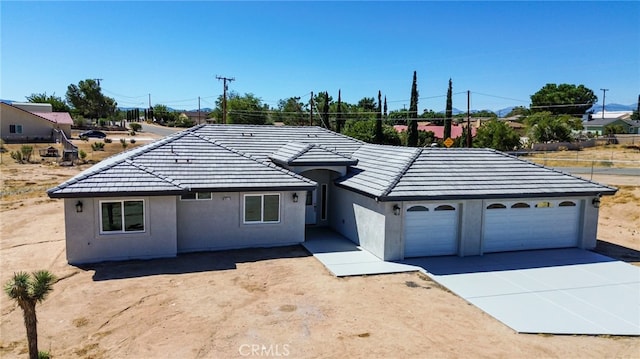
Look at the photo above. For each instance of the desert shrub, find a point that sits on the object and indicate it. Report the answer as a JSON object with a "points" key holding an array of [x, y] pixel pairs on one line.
{"points": [[123, 142], [102, 122], [134, 126], [82, 154], [17, 156], [26, 151], [44, 355], [79, 121], [132, 133], [133, 140], [107, 140], [97, 146]]}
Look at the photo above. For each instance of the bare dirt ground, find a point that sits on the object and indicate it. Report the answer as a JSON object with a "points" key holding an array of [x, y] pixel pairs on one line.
{"points": [[277, 302]]}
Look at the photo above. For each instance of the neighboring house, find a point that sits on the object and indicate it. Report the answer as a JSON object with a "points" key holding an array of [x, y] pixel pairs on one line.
{"points": [[32, 122], [216, 187], [196, 117], [597, 126], [438, 131]]}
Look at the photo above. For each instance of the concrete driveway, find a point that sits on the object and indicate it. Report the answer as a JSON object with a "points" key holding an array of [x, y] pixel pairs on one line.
{"points": [[559, 291]]}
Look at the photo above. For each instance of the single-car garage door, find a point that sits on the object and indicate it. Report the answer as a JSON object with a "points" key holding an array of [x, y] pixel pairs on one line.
{"points": [[530, 224], [431, 230]]}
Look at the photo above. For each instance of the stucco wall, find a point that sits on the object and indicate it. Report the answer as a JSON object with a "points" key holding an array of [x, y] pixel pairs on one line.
{"points": [[589, 235], [85, 244], [218, 223], [471, 228], [32, 126]]}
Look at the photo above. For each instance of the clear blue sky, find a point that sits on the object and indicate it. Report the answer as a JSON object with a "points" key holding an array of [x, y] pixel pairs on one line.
{"points": [[502, 52]]}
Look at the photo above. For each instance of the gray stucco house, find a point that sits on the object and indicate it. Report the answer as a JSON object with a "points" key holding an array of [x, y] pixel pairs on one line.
{"points": [[215, 187]]}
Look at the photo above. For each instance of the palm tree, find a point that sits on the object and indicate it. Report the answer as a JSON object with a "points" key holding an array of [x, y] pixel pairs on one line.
{"points": [[28, 291]]}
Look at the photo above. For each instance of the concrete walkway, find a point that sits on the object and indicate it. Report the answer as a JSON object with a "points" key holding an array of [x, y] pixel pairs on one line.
{"points": [[344, 258]]}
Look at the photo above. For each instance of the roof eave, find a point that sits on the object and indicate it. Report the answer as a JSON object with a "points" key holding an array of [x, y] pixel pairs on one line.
{"points": [[496, 196]]}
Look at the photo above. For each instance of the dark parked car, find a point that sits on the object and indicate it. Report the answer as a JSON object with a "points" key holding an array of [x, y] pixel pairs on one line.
{"points": [[93, 133]]}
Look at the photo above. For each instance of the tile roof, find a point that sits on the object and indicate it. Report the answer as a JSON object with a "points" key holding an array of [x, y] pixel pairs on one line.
{"points": [[309, 154], [245, 157], [438, 131], [62, 118]]}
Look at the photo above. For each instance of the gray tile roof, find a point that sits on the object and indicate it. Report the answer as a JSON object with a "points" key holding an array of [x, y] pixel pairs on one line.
{"points": [[245, 158], [310, 154]]}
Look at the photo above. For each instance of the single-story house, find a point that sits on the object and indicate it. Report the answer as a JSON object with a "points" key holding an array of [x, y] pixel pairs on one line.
{"points": [[598, 125], [438, 131], [214, 187], [32, 122]]}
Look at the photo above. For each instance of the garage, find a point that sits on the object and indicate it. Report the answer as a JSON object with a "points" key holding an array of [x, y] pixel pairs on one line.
{"points": [[431, 230], [530, 224]]}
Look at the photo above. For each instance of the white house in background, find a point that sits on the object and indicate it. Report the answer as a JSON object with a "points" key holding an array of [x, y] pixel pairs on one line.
{"points": [[215, 187], [31, 122]]}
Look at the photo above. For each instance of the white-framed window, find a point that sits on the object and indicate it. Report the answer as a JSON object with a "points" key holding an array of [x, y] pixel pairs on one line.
{"points": [[262, 208], [15, 128], [196, 196], [122, 216]]}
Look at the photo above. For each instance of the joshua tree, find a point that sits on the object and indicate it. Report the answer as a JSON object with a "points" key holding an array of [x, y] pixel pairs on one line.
{"points": [[28, 291]]}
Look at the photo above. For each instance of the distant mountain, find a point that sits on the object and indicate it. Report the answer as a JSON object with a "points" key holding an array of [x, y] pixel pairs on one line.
{"points": [[614, 107]]}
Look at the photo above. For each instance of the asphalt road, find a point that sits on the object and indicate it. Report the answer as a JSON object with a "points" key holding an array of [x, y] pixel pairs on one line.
{"points": [[159, 130], [601, 170]]}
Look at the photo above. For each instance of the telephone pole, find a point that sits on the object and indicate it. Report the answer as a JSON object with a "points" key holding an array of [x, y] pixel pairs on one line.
{"points": [[311, 110], [604, 93], [468, 119], [198, 110], [98, 81], [224, 95]]}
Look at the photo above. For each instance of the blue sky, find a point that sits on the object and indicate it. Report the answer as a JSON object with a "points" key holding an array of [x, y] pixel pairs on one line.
{"points": [[502, 52]]}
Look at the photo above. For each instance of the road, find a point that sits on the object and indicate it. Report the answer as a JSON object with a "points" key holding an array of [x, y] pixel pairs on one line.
{"points": [[160, 130], [601, 171]]}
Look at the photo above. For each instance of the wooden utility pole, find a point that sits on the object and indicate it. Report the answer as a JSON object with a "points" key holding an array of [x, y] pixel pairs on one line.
{"points": [[224, 96], [198, 110], [468, 119], [604, 94], [311, 111]]}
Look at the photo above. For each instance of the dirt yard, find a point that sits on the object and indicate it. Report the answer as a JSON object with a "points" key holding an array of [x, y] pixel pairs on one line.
{"points": [[260, 303]]}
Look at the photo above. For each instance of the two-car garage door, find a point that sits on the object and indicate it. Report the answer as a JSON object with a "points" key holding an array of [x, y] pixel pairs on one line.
{"points": [[530, 224], [431, 230]]}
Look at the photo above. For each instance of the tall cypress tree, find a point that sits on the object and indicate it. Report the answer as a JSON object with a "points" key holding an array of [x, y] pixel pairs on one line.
{"points": [[385, 108], [325, 111], [412, 130], [339, 120], [448, 115], [379, 119]]}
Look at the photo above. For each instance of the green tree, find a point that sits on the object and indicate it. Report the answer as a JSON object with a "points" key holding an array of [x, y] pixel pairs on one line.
{"points": [[635, 116], [378, 132], [563, 99], [412, 129], [365, 130], [57, 103], [162, 114], [246, 109], [339, 119], [89, 102], [291, 112], [325, 111], [448, 114], [613, 129], [497, 135], [545, 127], [519, 111], [27, 291]]}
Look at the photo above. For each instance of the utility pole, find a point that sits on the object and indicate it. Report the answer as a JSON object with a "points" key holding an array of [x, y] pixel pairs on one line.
{"points": [[311, 112], [149, 100], [198, 110], [604, 93], [224, 95], [98, 81], [468, 119]]}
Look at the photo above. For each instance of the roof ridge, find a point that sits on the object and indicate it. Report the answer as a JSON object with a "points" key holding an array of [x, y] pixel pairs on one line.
{"points": [[306, 147], [266, 164], [149, 171], [402, 172]]}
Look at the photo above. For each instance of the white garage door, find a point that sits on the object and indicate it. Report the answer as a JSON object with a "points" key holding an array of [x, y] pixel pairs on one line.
{"points": [[531, 224], [431, 230]]}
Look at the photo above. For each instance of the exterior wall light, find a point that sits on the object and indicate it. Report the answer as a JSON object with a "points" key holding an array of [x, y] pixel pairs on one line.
{"points": [[295, 197], [396, 209], [596, 202], [79, 206]]}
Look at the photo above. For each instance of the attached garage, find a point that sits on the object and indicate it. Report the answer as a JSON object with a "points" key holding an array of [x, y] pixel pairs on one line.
{"points": [[517, 225], [431, 230]]}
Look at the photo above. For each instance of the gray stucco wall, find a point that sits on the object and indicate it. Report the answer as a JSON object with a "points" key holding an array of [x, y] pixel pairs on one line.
{"points": [[471, 228], [218, 223], [589, 235], [85, 244]]}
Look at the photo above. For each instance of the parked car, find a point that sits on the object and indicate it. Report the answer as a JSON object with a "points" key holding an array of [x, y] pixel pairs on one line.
{"points": [[93, 133]]}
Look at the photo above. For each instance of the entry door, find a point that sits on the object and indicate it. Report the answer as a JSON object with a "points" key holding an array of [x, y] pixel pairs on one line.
{"points": [[310, 213]]}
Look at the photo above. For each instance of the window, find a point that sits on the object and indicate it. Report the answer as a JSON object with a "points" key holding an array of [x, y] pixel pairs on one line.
{"points": [[445, 207], [567, 204], [193, 196], [122, 216], [418, 209], [496, 206], [261, 208], [544, 204], [521, 205], [15, 128]]}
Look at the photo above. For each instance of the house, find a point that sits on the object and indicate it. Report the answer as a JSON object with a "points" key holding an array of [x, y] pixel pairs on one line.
{"points": [[215, 187], [438, 131], [598, 125], [24, 122]]}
